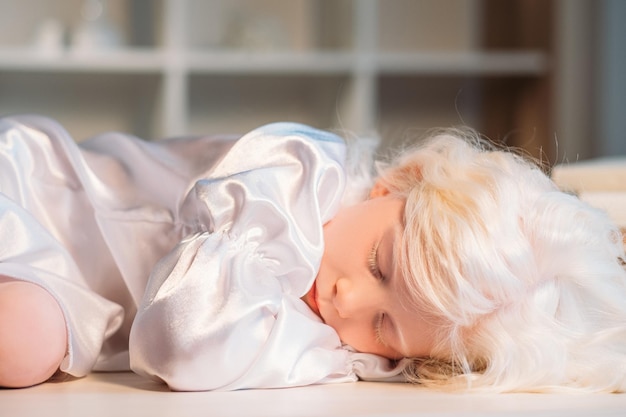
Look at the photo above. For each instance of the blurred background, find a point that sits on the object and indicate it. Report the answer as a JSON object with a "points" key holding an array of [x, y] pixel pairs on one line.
{"points": [[543, 75]]}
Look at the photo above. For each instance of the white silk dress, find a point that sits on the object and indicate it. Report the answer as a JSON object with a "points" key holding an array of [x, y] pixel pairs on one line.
{"points": [[183, 260]]}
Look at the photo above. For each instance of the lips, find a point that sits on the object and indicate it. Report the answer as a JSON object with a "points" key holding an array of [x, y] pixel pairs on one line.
{"points": [[311, 299]]}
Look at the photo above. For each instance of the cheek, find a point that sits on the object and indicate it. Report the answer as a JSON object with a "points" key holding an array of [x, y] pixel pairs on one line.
{"points": [[345, 233], [350, 334], [335, 243], [363, 340]]}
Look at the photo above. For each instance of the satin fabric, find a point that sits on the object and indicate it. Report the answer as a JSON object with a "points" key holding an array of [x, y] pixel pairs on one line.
{"points": [[183, 260]]}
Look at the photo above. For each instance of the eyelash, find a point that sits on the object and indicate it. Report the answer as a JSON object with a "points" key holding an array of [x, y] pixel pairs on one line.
{"points": [[378, 329], [376, 272], [373, 263]]}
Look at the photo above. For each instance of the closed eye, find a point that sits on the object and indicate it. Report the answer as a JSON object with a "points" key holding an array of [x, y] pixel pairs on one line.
{"points": [[372, 262], [378, 329]]}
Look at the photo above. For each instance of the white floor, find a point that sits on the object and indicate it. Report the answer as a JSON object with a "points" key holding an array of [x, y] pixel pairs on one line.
{"points": [[125, 394]]}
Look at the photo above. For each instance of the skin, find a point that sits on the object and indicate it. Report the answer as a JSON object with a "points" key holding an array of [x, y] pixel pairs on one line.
{"points": [[360, 294], [33, 337]]}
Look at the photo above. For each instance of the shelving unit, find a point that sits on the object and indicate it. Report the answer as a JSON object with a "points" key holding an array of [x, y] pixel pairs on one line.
{"points": [[216, 66]]}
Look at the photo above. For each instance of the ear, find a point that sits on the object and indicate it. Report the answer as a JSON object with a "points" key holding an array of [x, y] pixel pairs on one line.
{"points": [[379, 190]]}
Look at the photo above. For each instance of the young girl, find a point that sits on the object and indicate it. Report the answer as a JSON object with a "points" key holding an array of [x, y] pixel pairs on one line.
{"points": [[224, 263]]}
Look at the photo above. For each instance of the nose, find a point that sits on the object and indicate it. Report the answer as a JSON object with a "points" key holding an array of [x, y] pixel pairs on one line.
{"points": [[353, 299]]}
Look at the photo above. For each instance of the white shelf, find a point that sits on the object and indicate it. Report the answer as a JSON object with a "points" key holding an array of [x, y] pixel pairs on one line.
{"points": [[529, 63], [120, 61], [342, 82], [237, 62]]}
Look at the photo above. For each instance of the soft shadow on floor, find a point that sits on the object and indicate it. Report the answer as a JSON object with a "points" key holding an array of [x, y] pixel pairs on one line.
{"points": [[123, 380], [130, 380]]}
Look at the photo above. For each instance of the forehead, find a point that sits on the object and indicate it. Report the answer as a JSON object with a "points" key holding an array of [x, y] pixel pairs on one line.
{"points": [[409, 276], [417, 327], [394, 249]]}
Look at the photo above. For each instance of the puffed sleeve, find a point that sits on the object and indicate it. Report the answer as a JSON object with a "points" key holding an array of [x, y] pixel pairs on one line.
{"points": [[223, 309]]}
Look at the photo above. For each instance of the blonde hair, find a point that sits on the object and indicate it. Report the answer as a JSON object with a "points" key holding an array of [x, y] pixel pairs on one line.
{"points": [[524, 281]]}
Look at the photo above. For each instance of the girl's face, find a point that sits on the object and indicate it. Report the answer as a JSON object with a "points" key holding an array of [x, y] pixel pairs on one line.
{"points": [[359, 289]]}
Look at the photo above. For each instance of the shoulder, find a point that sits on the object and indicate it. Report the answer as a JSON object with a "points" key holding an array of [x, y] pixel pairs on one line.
{"points": [[288, 136], [286, 129], [283, 145]]}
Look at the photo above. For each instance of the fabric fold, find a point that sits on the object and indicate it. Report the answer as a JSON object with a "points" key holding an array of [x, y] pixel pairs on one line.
{"points": [[183, 259]]}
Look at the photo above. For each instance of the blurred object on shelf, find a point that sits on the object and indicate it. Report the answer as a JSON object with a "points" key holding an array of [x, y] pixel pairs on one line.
{"points": [[254, 32], [96, 31], [49, 38]]}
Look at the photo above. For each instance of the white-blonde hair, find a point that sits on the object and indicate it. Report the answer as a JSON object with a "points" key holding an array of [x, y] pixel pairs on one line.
{"points": [[525, 282]]}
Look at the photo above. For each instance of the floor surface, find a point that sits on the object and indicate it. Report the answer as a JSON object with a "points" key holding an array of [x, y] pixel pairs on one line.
{"points": [[125, 394]]}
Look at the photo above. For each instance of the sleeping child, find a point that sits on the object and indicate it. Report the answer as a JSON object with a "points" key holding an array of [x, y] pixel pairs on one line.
{"points": [[279, 259]]}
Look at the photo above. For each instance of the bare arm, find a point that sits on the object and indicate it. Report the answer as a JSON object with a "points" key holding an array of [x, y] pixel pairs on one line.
{"points": [[33, 337]]}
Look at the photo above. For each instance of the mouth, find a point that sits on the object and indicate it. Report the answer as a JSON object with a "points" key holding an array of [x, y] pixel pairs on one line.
{"points": [[310, 298]]}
